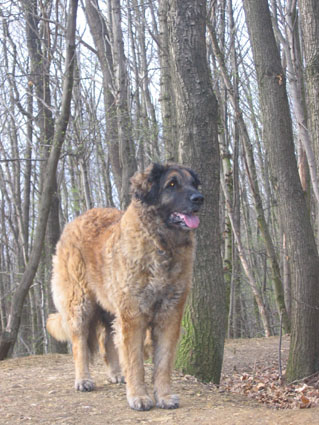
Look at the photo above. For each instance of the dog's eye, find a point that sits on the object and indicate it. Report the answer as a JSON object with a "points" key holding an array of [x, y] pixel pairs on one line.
{"points": [[172, 184]]}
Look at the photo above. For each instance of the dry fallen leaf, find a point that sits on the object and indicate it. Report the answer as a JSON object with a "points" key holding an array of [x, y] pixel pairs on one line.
{"points": [[305, 402]]}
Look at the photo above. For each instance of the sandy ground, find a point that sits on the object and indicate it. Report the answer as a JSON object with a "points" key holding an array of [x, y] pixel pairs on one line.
{"points": [[39, 390]]}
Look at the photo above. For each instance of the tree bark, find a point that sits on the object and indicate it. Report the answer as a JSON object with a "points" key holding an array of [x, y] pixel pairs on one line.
{"points": [[277, 126], [9, 335], [286, 275], [201, 348]]}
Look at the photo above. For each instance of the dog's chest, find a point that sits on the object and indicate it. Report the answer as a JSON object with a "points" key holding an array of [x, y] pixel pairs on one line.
{"points": [[162, 282]]}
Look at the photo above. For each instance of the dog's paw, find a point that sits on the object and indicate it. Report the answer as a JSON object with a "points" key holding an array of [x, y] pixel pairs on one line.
{"points": [[116, 378], [169, 401], [84, 385], [143, 402]]}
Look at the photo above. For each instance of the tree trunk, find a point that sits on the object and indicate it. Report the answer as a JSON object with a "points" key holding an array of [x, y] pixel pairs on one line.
{"points": [[126, 143], [168, 103], [149, 122], [115, 85], [309, 11], [277, 126], [236, 275], [201, 348], [9, 336], [293, 59], [101, 38]]}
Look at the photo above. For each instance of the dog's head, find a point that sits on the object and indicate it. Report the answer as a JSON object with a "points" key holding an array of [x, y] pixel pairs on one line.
{"points": [[173, 190]]}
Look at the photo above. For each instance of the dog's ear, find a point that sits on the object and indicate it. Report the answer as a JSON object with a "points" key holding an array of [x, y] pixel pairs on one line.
{"points": [[145, 185]]}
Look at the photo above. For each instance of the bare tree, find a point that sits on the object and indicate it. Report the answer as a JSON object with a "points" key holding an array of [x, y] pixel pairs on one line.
{"points": [[293, 61], [304, 348], [110, 49], [253, 181], [9, 335]]}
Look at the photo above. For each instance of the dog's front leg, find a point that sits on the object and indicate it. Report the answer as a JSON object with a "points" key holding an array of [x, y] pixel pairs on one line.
{"points": [[165, 336], [131, 335]]}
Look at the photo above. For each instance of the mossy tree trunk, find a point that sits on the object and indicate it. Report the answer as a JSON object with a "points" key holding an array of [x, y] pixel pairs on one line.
{"points": [[202, 342]]}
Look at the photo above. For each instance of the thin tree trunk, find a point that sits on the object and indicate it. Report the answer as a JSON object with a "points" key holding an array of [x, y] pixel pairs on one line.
{"points": [[167, 98], [86, 184], [126, 143], [295, 79], [151, 127], [253, 180], [241, 252], [101, 38], [236, 275]]}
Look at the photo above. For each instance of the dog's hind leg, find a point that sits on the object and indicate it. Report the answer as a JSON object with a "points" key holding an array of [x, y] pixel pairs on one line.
{"points": [[83, 381], [110, 353], [75, 302], [79, 326]]}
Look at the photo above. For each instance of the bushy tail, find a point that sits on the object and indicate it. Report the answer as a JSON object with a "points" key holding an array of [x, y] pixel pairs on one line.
{"points": [[55, 327]]}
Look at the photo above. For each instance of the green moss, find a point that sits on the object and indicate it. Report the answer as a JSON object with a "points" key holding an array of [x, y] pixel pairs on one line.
{"points": [[199, 353]]}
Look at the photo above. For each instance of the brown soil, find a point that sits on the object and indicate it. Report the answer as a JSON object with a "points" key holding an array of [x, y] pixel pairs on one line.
{"points": [[39, 390]]}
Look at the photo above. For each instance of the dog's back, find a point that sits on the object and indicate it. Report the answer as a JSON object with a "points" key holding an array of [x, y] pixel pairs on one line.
{"points": [[78, 250]]}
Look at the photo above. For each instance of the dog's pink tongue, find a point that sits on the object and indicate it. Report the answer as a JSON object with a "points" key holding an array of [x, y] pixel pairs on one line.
{"points": [[191, 221]]}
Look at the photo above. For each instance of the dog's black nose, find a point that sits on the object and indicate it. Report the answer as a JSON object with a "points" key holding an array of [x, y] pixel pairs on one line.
{"points": [[197, 198]]}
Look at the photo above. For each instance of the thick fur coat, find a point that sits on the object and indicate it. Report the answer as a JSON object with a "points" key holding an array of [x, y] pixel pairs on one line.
{"points": [[119, 277]]}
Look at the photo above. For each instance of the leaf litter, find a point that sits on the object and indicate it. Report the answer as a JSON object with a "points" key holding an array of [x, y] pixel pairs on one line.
{"points": [[258, 377]]}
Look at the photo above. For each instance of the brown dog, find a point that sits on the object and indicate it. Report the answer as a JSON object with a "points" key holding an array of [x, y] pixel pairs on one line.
{"points": [[119, 275]]}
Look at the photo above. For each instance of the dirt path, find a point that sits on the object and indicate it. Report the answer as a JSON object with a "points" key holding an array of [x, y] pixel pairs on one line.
{"points": [[39, 390]]}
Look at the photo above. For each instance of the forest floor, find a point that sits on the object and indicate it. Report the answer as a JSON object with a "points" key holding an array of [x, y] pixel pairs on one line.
{"points": [[39, 390]]}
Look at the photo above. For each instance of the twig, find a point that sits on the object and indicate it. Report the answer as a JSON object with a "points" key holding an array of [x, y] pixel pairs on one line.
{"points": [[303, 379], [279, 348]]}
